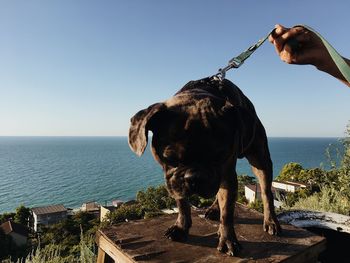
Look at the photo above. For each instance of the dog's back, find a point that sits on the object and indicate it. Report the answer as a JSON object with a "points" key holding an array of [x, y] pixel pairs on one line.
{"points": [[248, 121], [223, 89]]}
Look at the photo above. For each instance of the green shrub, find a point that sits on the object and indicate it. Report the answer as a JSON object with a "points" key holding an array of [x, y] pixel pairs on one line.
{"points": [[257, 205], [327, 200], [155, 198], [126, 213]]}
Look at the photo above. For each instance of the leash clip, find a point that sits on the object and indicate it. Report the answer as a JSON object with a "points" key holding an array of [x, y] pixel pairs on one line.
{"points": [[238, 61], [233, 63]]}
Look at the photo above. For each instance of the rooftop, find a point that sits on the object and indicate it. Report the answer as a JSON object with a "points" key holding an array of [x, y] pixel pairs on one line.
{"points": [[12, 227], [292, 183], [256, 187], [49, 209]]}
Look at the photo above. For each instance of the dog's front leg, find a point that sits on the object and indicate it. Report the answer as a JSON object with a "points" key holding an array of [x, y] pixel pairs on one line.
{"points": [[226, 197], [179, 231]]}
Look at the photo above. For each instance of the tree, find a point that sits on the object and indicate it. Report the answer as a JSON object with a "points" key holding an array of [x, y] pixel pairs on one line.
{"points": [[22, 215], [155, 198], [290, 172], [126, 212], [6, 217]]}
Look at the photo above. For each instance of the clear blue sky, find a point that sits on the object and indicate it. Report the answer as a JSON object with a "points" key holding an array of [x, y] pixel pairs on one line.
{"points": [[70, 68]]}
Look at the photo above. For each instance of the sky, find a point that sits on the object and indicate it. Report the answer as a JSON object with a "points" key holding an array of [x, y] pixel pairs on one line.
{"points": [[84, 68]]}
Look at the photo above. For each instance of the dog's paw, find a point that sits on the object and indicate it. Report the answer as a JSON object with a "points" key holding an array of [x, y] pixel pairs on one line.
{"points": [[272, 227], [212, 213], [176, 233], [230, 247]]}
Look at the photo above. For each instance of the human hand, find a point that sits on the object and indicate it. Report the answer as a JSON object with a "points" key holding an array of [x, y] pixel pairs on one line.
{"points": [[307, 47]]}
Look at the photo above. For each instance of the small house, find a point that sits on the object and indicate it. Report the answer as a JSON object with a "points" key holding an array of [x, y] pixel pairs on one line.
{"points": [[18, 233], [105, 210], [90, 207], [47, 215], [252, 193]]}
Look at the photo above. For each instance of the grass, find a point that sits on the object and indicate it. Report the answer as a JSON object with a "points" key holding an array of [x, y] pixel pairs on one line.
{"points": [[327, 200]]}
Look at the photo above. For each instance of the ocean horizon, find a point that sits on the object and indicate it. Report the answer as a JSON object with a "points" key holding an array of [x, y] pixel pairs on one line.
{"points": [[71, 170]]}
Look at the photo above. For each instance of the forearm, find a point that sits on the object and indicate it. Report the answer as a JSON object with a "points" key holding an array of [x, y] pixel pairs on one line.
{"points": [[332, 69]]}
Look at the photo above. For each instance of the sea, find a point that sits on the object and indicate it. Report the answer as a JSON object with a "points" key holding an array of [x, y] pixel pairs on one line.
{"points": [[40, 171]]}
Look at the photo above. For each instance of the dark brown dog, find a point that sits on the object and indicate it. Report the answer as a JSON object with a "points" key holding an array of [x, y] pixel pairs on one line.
{"points": [[198, 134]]}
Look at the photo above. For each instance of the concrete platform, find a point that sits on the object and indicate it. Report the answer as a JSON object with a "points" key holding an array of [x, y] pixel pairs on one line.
{"points": [[143, 241]]}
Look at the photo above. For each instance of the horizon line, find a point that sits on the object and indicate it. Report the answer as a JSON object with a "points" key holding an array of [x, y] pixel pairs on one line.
{"points": [[115, 136]]}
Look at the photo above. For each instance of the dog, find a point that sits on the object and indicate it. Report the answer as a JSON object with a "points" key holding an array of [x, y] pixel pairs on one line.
{"points": [[198, 134]]}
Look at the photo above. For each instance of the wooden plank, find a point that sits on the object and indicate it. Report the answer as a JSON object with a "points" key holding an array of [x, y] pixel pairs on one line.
{"points": [[111, 249], [101, 255], [144, 241]]}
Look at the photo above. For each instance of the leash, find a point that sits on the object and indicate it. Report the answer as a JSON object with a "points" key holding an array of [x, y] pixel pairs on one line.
{"points": [[237, 61], [343, 67]]}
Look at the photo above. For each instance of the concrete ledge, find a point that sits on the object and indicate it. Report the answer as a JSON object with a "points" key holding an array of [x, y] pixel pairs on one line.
{"points": [[143, 240], [303, 218]]}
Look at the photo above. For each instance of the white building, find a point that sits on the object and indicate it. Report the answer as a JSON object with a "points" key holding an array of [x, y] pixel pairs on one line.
{"points": [[253, 192], [105, 210], [288, 186], [47, 215]]}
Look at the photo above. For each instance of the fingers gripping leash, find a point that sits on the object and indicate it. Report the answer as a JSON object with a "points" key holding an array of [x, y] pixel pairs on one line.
{"points": [[237, 61]]}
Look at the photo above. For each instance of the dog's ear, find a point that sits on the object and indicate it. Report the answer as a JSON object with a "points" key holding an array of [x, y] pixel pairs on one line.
{"points": [[138, 132]]}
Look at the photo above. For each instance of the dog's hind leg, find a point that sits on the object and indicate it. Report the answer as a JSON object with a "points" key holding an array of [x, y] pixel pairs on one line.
{"points": [[259, 158]]}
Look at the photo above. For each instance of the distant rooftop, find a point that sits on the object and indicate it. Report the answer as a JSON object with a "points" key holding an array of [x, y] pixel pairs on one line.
{"points": [[9, 227], [49, 209]]}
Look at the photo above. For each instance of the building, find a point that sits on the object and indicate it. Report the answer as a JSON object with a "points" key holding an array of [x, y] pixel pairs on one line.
{"points": [[252, 193], [90, 207], [18, 233], [288, 186], [279, 188], [47, 215], [105, 210]]}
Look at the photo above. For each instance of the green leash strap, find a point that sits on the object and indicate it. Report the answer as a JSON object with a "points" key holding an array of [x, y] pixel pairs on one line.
{"points": [[343, 67], [237, 61]]}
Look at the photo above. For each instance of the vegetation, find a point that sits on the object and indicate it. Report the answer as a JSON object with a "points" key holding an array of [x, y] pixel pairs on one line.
{"points": [[67, 234], [155, 198], [257, 205], [327, 200], [126, 213], [61, 242], [8, 248], [329, 190], [21, 216], [243, 180]]}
